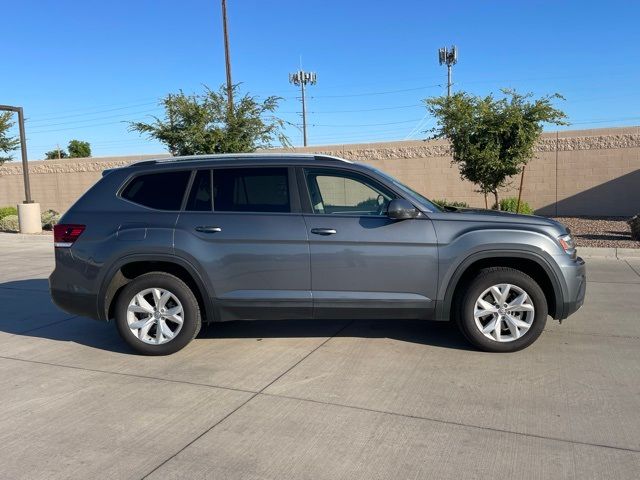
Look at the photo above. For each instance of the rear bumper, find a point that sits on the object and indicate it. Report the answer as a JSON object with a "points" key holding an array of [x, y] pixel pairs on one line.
{"points": [[69, 297], [75, 303], [575, 276], [72, 284]]}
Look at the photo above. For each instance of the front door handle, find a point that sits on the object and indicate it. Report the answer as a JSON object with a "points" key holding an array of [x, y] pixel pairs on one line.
{"points": [[324, 231], [208, 229]]}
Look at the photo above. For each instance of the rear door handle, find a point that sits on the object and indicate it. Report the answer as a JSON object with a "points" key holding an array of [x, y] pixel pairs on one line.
{"points": [[324, 231], [208, 229]]}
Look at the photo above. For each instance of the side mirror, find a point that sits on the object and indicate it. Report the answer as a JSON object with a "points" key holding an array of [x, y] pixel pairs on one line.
{"points": [[401, 209]]}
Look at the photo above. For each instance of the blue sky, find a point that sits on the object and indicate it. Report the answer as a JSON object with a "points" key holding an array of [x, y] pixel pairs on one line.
{"points": [[81, 69]]}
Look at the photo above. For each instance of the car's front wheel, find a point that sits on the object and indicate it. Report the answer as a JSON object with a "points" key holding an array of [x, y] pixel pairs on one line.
{"points": [[157, 314], [502, 310]]}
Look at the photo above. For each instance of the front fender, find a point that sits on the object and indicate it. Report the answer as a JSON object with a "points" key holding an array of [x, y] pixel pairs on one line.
{"points": [[485, 244]]}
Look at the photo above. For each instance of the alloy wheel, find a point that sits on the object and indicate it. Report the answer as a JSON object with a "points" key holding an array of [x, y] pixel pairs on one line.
{"points": [[504, 312], [155, 316]]}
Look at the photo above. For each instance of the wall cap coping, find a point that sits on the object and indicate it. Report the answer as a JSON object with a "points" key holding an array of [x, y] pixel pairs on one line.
{"points": [[598, 139]]}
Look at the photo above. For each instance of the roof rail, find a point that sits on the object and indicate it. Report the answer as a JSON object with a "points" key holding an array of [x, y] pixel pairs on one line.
{"points": [[332, 157], [223, 156]]}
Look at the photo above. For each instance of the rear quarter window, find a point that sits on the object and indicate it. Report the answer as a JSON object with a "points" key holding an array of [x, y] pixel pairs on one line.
{"points": [[161, 191]]}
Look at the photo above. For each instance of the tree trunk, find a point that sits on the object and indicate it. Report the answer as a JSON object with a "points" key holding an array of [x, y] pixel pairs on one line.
{"points": [[495, 194], [486, 203]]}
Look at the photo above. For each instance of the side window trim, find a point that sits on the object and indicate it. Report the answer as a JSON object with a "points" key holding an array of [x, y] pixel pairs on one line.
{"points": [[213, 198], [192, 180], [303, 191], [187, 192], [294, 193], [354, 175]]}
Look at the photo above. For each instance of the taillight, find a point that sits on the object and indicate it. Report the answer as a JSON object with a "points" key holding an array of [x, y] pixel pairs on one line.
{"points": [[65, 235]]}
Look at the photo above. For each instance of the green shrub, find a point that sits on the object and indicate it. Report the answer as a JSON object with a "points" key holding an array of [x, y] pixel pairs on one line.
{"points": [[9, 223], [49, 218], [509, 205], [4, 211], [441, 202]]}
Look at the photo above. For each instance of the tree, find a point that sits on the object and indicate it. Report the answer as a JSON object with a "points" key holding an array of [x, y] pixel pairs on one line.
{"points": [[79, 149], [7, 143], [202, 123], [492, 139], [54, 154]]}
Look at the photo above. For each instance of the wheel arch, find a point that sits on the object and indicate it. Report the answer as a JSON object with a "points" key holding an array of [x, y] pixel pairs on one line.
{"points": [[132, 266], [533, 264]]}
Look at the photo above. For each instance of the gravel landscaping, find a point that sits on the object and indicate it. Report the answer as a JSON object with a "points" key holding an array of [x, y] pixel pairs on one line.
{"points": [[600, 231]]}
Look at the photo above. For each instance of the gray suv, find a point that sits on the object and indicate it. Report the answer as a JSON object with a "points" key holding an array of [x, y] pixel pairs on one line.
{"points": [[162, 246]]}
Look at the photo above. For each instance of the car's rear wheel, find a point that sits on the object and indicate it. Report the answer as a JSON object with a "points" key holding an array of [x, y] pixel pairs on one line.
{"points": [[157, 314], [502, 310]]}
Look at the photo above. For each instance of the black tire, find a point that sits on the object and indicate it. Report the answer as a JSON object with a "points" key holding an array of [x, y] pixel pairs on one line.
{"points": [[191, 313], [481, 282]]}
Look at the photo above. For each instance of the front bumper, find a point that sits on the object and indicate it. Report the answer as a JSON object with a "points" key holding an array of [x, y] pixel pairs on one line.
{"points": [[575, 276]]}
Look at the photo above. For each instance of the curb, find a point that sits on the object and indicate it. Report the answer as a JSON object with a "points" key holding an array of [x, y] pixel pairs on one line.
{"points": [[610, 253]]}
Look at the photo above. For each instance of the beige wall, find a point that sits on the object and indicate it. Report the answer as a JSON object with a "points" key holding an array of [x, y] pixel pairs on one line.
{"points": [[583, 172], [56, 184]]}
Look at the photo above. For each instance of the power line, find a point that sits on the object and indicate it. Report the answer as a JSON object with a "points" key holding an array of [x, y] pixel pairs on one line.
{"points": [[377, 93], [79, 126], [91, 110], [105, 143], [418, 126], [604, 121], [368, 132], [399, 107], [96, 118], [366, 124]]}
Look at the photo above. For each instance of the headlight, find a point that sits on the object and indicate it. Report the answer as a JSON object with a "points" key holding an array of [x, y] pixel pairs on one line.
{"points": [[568, 244]]}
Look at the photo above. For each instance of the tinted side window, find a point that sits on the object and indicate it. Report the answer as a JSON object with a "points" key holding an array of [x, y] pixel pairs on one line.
{"points": [[347, 193], [162, 191], [200, 195], [251, 190]]}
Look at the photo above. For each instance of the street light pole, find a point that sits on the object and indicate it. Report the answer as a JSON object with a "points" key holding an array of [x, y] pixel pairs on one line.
{"points": [[28, 211], [23, 148]]}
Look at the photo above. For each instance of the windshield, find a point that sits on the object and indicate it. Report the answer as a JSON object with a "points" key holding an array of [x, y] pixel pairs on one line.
{"points": [[409, 191]]}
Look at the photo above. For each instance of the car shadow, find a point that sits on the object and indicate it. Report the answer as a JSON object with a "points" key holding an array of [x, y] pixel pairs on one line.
{"points": [[55, 325]]}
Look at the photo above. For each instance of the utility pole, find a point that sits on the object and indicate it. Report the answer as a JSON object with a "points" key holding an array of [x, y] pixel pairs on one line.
{"points": [[450, 58], [301, 78], [227, 58]]}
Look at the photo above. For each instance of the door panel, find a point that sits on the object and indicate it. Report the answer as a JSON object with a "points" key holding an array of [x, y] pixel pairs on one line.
{"points": [[373, 267], [257, 263], [364, 264]]}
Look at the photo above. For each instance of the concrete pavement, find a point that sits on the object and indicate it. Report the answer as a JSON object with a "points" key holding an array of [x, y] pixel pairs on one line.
{"points": [[365, 399]]}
